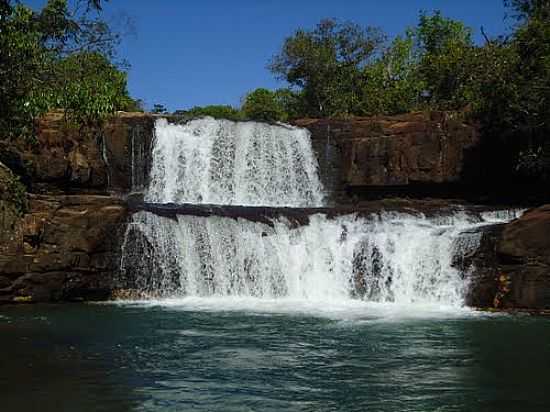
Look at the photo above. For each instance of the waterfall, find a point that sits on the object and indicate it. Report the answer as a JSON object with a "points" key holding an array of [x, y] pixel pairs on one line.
{"points": [[233, 163], [384, 258]]}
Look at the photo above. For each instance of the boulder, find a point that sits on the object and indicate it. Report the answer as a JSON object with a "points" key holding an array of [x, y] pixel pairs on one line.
{"points": [[511, 268]]}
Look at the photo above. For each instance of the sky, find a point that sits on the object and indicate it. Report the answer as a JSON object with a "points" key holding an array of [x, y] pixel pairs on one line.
{"points": [[185, 53]]}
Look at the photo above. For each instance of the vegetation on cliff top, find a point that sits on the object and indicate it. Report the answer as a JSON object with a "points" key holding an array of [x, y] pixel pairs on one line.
{"points": [[64, 57], [341, 69], [58, 58]]}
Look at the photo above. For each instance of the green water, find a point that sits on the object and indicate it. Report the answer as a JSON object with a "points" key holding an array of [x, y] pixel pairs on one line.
{"points": [[196, 358]]}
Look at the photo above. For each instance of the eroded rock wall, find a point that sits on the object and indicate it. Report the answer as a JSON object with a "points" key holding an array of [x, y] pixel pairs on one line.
{"points": [[61, 240], [388, 155], [511, 268], [64, 158], [64, 248]]}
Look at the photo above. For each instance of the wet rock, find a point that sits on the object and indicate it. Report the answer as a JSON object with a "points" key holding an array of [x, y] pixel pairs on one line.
{"points": [[511, 269]]}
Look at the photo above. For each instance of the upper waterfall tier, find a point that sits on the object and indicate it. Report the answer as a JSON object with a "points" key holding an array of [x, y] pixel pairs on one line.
{"points": [[233, 163]]}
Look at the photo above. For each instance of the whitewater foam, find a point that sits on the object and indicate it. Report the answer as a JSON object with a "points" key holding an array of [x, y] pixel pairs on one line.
{"points": [[233, 163], [395, 257]]}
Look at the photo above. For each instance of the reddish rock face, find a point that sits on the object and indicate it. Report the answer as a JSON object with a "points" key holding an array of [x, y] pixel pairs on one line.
{"points": [[511, 269], [417, 148], [66, 158], [64, 248], [523, 251], [67, 247]]}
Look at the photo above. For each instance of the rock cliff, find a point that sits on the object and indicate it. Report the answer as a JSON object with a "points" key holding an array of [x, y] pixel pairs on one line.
{"points": [[412, 154], [67, 159], [61, 240], [64, 248]]}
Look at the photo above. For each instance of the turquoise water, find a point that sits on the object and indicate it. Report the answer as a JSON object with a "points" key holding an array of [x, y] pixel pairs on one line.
{"points": [[208, 355]]}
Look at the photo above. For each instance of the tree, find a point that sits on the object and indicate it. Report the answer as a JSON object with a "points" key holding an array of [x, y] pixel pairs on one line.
{"points": [[392, 83], [444, 46], [292, 103], [89, 88], [526, 9], [23, 60], [326, 64], [215, 111], [532, 41], [510, 95], [159, 109], [263, 105], [57, 58]]}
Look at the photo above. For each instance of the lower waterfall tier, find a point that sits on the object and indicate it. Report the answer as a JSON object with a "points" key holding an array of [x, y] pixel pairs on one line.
{"points": [[389, 257]]}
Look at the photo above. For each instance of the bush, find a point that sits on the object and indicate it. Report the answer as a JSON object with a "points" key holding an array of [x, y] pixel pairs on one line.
{"points": [[89, 88], [58, 59], [215, 111], [263, 105]]}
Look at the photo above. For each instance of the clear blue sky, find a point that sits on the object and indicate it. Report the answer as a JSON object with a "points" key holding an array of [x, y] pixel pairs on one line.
{"points": [[199, 52]]}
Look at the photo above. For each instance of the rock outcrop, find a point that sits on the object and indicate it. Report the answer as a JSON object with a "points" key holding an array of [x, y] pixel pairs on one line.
{"points": [[13, 202], [406, 154], [511, 268], [67, 159], [61, 240], [65, 248]]}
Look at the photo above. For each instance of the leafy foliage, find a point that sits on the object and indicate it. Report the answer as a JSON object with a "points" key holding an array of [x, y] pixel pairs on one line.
{"points": [[326, 64], [393, 83], [215, 111], [57, 59], [527, 9], [444, 45], [159, 109], [89, 88], [263, 105], [342, 69], [517, 111]]}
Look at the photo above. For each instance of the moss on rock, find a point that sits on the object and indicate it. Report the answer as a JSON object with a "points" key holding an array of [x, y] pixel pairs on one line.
{"points": [[13, 203], [12, 190]]}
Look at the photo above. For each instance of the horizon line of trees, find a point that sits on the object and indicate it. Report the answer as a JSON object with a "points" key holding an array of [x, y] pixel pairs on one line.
{"points": [[65, 57], [341, 69]]}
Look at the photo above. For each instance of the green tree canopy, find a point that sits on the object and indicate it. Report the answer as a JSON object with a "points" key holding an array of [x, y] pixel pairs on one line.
{"points": [[444, 46], [393, 84], [57, 58], [263, 105], [326, 64], [215, 111]]}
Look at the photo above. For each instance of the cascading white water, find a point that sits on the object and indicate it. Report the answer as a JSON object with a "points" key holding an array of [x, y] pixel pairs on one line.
{"points": [[385, 258], [233, 163]]}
